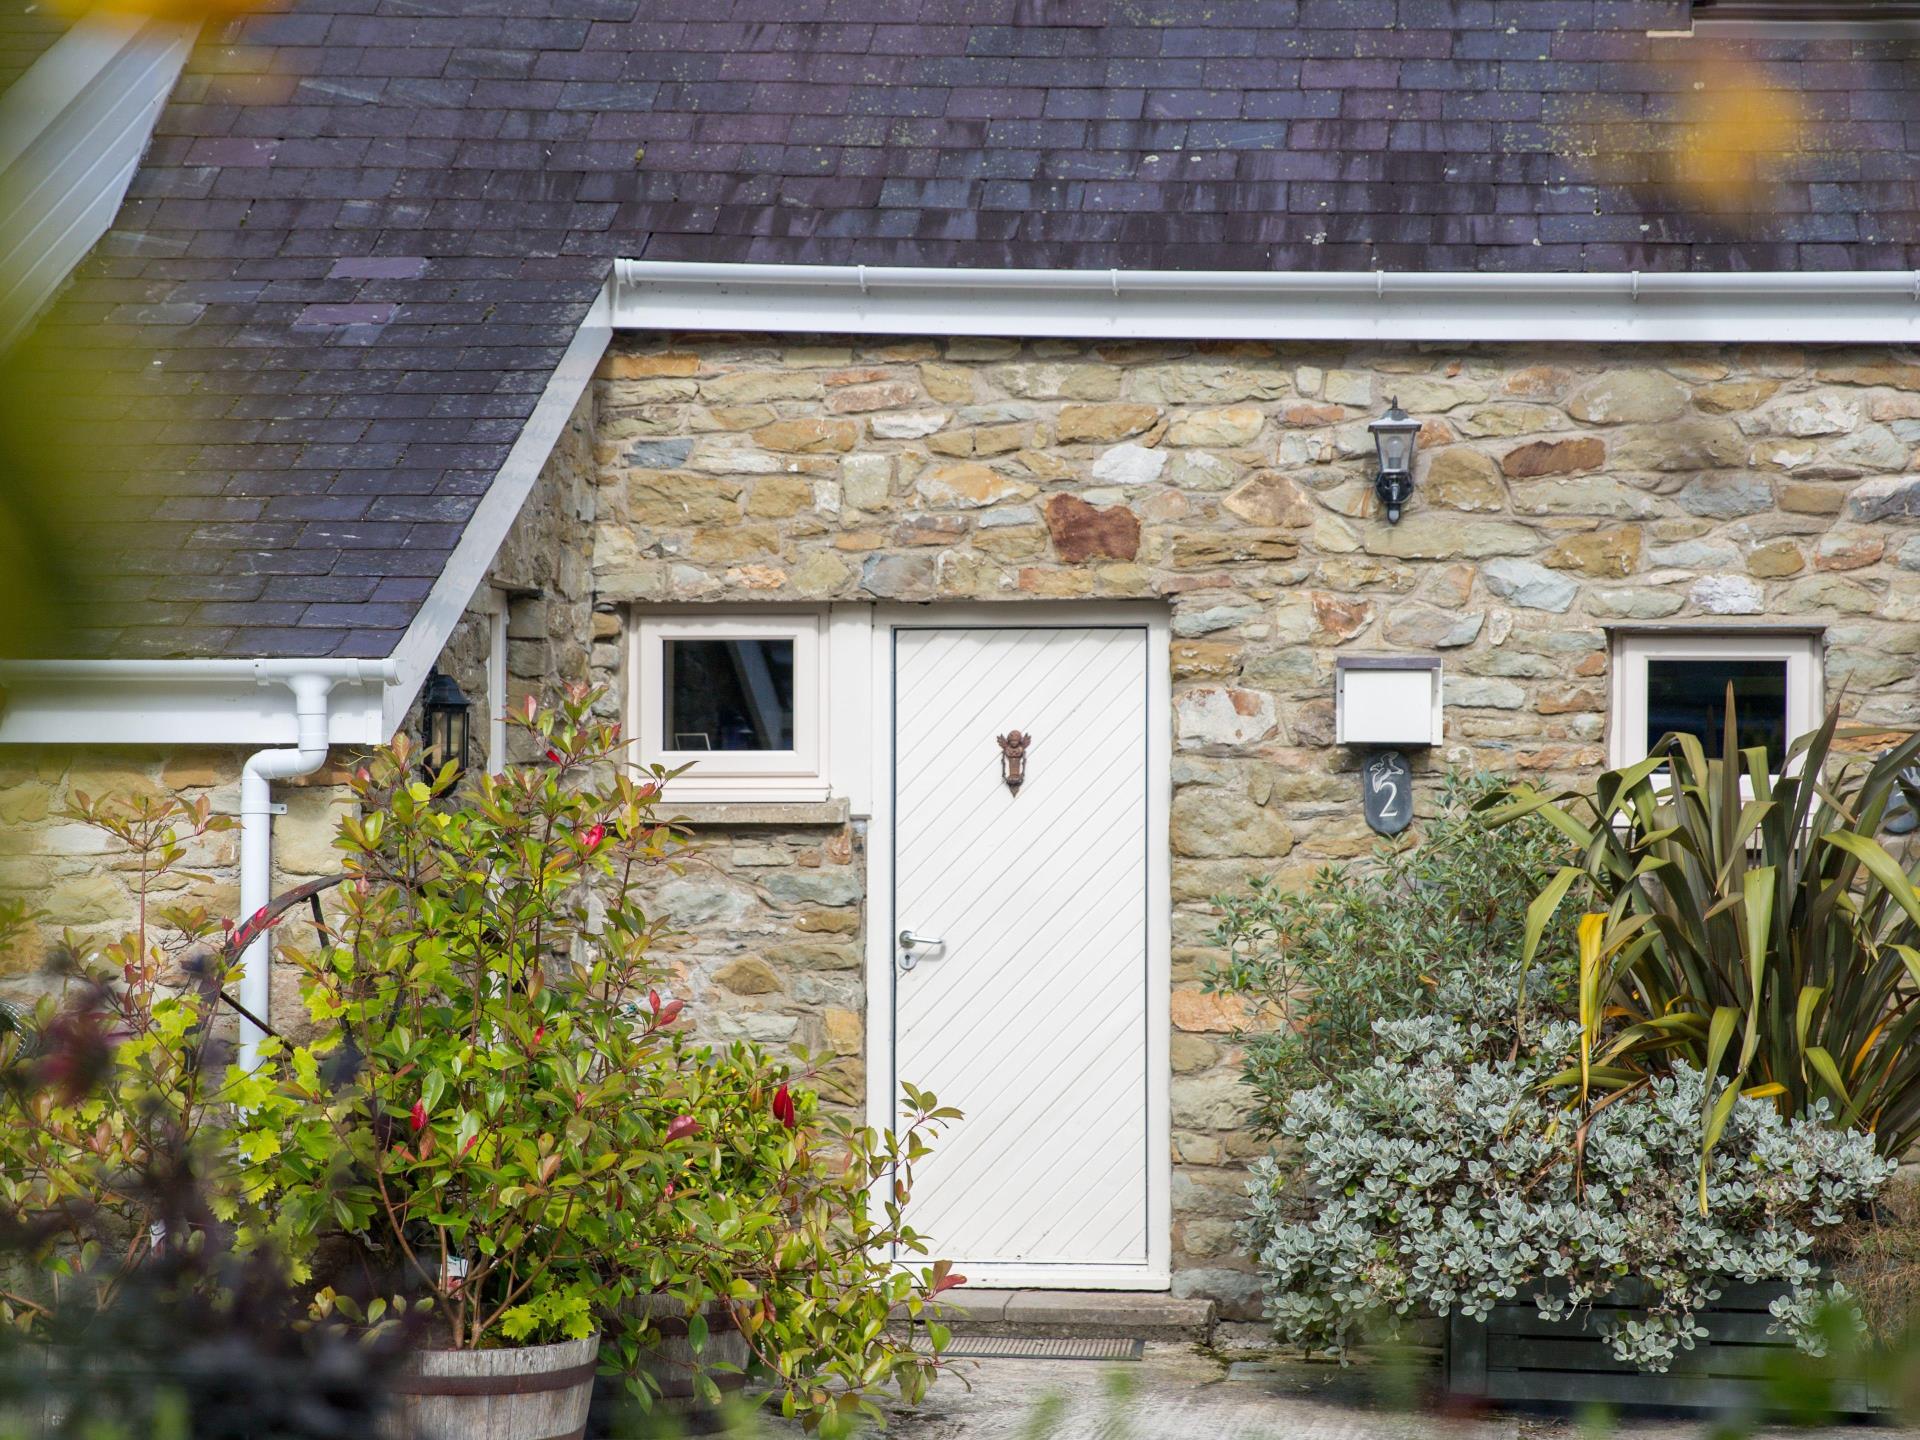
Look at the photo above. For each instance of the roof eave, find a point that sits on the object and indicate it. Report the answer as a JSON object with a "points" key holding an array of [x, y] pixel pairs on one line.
{"points": [[1825, 307]]}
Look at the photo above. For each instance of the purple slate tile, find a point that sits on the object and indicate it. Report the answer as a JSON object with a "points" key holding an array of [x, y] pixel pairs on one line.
{"points": [[378, 267], [325, 315]]}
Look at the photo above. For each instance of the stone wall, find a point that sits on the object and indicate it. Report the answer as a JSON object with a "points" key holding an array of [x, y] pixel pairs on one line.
{"points": [[1561, 489], [81, 880]]}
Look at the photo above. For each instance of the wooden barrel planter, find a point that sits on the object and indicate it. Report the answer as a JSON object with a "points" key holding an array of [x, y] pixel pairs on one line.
{"points": [[672, 1364], [532, 1392], [1516, 1356]]}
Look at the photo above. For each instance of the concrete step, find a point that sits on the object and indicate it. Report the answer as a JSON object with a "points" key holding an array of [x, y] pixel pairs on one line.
{"points": [[1147, 1315]]}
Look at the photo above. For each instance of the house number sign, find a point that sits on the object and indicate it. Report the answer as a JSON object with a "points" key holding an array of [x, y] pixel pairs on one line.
{"points": [[1386, 792]]}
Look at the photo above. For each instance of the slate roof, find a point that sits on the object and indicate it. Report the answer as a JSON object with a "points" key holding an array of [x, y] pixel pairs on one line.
{"points": [[366, 229]]}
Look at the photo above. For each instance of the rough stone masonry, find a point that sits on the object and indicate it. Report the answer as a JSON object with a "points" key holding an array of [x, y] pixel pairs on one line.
{"points": [[1560, 489]]}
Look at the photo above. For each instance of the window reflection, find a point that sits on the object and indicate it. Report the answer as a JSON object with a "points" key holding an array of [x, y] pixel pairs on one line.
{"points": [[728, 694], [1690, 697]]}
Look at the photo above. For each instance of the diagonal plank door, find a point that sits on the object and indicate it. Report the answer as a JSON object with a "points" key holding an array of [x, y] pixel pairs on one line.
{"points": [[1032, 1018]]}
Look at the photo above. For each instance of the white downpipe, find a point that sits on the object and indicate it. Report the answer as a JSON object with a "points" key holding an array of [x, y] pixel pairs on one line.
{"points": [[311, 689]]}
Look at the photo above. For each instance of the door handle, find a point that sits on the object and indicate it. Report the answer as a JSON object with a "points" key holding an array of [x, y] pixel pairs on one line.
{"points": [[910, 942]]}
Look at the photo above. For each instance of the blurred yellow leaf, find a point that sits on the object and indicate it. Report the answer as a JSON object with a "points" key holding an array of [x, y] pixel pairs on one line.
{"points": [[187, 12], [1734, 129]]}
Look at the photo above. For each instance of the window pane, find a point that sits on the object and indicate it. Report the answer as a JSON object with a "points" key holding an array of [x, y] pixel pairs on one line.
{"points": [[1690, 696], [729, 694]]}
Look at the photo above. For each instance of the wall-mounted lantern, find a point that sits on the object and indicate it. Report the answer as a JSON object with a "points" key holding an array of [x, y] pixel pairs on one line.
{"points": [[1395, 435], [445, 719]]}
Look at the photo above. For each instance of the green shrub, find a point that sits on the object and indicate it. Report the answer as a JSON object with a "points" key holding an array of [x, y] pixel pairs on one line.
{"points": [[1427, 928], [1765, 938], [117, 1076], [501, 1120], [1441, 1176]]}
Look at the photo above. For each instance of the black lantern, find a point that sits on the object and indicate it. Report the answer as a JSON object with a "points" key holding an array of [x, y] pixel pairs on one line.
{"points": [[1394, 435], [444, 722]]}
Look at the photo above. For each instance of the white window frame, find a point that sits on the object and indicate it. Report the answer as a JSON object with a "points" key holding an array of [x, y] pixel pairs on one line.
{"points": [[497, 696], [799, 775], [491, 603], [1802, 650]]}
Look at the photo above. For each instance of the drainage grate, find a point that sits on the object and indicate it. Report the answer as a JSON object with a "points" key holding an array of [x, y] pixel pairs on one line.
{"points": [[1028, 1347]]}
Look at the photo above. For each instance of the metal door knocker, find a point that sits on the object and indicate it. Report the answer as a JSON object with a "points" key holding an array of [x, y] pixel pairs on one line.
{"points": [[1013, 759]]}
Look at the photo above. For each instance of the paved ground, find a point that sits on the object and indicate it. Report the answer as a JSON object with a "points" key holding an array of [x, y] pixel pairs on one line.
{"points": [[1179, 1391]]}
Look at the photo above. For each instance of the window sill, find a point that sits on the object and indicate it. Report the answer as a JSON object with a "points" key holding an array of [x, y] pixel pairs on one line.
{"points": [[752, 812], [1704, 628]]}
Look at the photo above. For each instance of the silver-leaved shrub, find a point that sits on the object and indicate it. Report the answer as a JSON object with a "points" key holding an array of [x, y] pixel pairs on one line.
{"points": [[1442, 1174]]}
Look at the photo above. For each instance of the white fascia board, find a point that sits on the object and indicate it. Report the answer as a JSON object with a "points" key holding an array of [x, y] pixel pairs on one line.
{"points": [[183, 702], [1815, 307], [72, 131], [466, 569]]}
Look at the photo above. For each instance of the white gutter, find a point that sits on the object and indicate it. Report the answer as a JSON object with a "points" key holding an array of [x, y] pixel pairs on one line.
{"points": [[183, 702], [1873, 306]]}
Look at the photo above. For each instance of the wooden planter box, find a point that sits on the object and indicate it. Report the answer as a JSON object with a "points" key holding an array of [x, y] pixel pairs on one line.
{"points": [[1514, 1355]]}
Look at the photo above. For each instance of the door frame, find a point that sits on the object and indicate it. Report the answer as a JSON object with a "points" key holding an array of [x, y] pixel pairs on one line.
{"points": [[1153, 619]]}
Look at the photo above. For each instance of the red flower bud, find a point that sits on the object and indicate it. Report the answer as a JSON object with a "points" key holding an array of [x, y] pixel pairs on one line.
{"points": [[554, 756], [783, 1110], [418, 1116], [682, 1126], [593, 835], [539, 1033]]}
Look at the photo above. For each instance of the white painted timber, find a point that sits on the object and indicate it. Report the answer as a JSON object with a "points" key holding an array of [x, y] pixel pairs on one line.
{"points": [[1392, 306], [183, 702], [1043, 1014], [72, 130]]}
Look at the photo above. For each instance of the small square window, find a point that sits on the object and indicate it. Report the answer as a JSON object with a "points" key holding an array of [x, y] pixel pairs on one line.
{"points": [[1689, 697], [1675, 682], [738, 698], [728, 694]]}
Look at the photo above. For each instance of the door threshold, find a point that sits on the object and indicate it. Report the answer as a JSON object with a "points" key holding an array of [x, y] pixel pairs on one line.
{"points": [[1144, 1314]]}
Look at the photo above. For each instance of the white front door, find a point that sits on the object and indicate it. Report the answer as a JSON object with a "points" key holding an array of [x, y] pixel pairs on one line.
{"points": [[1036, 1012]]}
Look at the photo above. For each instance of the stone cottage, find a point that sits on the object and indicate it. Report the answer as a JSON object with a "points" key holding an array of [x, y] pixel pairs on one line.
{"points": [[957, 442]]}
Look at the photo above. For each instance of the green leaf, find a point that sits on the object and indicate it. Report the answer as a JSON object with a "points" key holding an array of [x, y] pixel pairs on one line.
{"points": [[1540, 911], [1882, 866]]}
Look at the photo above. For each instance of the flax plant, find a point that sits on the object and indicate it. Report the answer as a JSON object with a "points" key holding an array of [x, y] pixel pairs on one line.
{"points": [[1745, 923]]}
